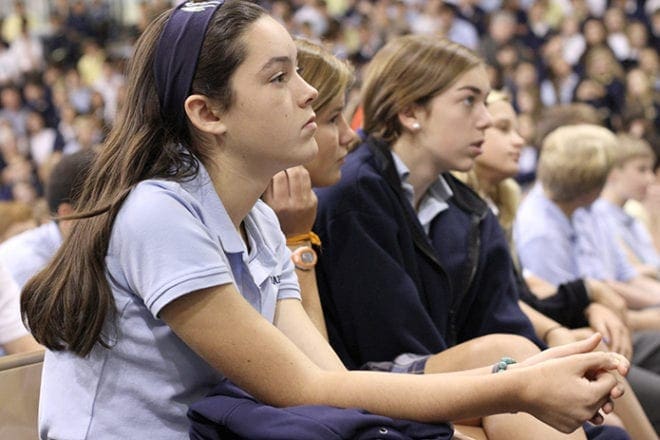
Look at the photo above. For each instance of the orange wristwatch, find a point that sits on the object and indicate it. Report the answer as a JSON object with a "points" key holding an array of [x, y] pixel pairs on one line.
{"points": [[304, 257]]}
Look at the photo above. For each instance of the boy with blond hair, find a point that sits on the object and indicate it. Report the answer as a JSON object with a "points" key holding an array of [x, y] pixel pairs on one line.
{"points": [[629, 178], [572, 170], [559, 239]]}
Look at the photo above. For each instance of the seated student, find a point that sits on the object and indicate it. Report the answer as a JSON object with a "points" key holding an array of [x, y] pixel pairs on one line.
{"points": [[629, 178], [601, 257], [14, 337], [175, 275], [405, 285], [569, 304], [290, 192], [648, 210], [573, 167], [578, 242], [27, 253], [599, 291]]}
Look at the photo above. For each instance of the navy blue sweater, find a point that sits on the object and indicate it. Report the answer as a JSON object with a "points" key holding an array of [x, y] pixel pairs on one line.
{"points": [[387, 289]]}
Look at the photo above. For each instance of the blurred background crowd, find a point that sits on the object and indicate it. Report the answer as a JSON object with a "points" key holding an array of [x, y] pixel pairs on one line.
{"points": [[61, 64]]}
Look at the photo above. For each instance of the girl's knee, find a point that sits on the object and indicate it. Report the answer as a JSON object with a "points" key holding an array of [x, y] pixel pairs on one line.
{"points": [[497, 345]]}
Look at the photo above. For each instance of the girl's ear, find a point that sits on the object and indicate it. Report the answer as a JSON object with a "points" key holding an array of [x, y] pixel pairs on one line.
{"points": [[203, 115], [409, 118]]}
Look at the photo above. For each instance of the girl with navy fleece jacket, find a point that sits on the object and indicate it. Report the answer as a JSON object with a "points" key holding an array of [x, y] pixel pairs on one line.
{"points": [[414, 272]]}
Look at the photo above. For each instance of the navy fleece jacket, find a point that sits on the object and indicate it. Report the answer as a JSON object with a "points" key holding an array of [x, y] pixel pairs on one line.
{"points": [[387, 288]]}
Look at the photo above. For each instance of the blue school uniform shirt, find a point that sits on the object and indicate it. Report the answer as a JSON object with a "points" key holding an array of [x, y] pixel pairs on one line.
{"points": [[628, 230], [560, 249], [599, 254], [432, 203], [545, 239], [169, 239]]}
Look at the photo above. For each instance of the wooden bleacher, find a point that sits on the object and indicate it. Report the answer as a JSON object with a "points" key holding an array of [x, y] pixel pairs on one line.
{"points": [[20, 379]]}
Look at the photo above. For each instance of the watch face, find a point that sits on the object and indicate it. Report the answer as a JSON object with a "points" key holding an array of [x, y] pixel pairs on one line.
{"points": [[308, 257], [304, 258]]}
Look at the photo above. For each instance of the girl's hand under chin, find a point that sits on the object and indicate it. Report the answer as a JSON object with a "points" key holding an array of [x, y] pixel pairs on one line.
{"points": [[290, 195]]}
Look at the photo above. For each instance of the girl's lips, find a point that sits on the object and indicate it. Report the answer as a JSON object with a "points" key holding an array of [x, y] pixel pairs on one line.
{"points": [[311, 120], [475, 147]]}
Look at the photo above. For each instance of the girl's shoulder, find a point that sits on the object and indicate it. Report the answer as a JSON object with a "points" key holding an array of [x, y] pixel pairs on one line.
{"points": [[155, 204], [156, 195]]}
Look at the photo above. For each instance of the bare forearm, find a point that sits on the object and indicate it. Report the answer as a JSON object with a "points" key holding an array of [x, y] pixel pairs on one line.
{"points": [[295, 323], [638, 293], [432, 398], [23, 344], [542, 324], [310, 297], [226, 331], [647, 319]]}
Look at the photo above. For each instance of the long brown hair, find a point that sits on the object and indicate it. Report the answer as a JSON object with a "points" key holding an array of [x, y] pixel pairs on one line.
{"points": [[67, 304]]}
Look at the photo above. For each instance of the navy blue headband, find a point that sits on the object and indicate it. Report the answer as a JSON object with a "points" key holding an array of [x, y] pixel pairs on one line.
{"points": [[177, 54]]}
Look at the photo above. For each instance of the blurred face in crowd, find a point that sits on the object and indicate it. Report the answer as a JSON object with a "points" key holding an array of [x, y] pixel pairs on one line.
{"points": [[502, 145], [637, 83], [10, 98], [594, 32], [637, 34], [333, 136], [633, 177]]}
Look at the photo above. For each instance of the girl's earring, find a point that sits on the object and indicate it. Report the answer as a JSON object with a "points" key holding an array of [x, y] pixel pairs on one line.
{"points": [[415, 126]]}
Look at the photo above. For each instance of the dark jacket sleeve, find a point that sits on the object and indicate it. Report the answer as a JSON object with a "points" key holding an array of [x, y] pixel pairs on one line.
{"points": [[566, 306]]}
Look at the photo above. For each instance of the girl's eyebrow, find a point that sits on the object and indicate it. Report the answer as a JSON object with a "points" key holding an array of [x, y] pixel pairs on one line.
{"points": [[276, 60], [474, 89]]}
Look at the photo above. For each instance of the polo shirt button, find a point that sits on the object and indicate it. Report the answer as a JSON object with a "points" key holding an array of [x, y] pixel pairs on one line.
{"points": [[383, 430]]}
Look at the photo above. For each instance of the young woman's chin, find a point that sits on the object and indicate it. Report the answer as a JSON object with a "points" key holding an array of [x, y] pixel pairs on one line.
{"points": [[463, 166], [327, 179], [509, 172], [307, 153]]}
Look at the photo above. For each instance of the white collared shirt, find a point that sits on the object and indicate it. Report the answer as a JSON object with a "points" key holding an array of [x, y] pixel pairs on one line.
{"points": [[432, 203]]}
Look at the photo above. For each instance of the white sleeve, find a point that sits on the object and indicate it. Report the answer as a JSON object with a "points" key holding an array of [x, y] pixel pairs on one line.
{"points": [[11, 325]]}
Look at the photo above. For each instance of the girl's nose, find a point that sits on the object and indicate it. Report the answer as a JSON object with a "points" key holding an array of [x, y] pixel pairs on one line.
{"points": [[307, 94], [485, 118], [517, 141]]}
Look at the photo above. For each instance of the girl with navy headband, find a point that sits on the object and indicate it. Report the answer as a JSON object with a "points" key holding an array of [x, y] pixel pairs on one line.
{"points": [[175, 274]]}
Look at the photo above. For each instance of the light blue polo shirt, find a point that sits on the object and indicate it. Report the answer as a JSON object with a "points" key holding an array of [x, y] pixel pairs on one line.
{"points": [[599, 254], [628, 230], [169, 239], [545, 239]]}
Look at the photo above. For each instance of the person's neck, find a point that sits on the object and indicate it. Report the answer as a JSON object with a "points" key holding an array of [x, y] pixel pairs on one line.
{"points": [[568, 208], [486, 181], [238, 188], [613, 197], [423, 172]]}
